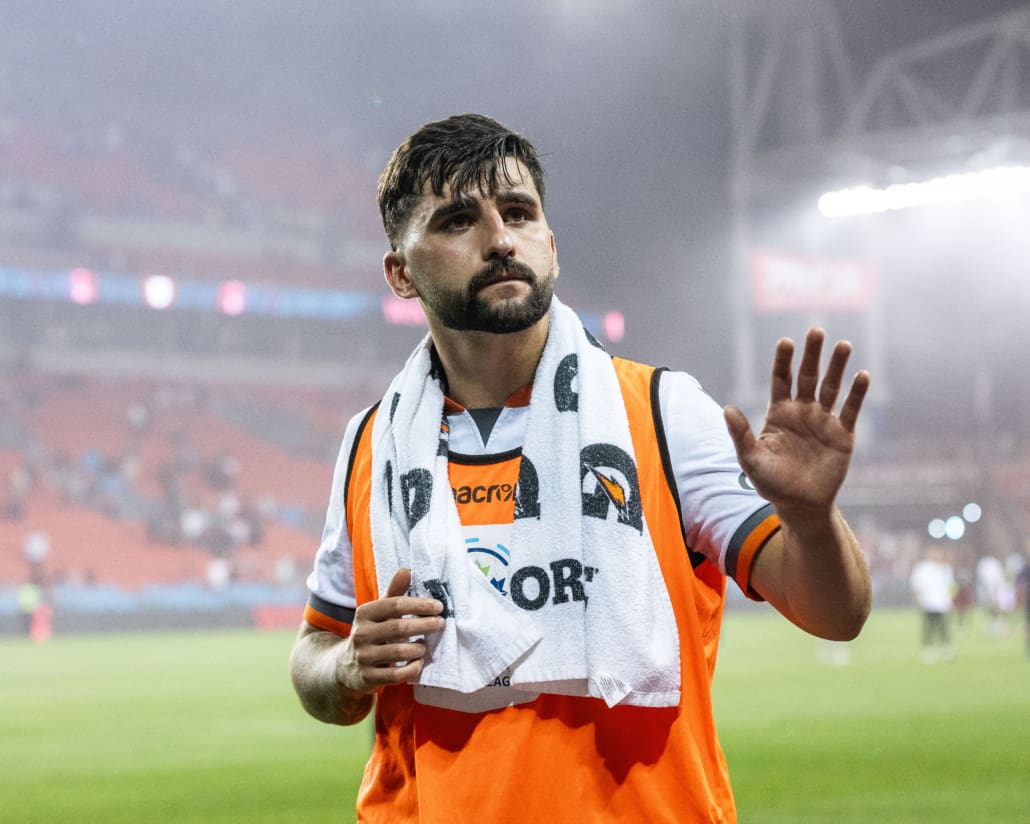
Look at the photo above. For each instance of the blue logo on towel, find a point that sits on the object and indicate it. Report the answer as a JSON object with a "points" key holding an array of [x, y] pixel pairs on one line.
{"points": [[490, 558]]}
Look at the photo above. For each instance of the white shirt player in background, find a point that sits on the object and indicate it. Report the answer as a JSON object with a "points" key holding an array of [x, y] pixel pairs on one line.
{"points": [[933, 587]]}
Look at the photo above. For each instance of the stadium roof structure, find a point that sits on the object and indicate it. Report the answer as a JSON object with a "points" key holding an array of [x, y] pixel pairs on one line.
{"points": [[804, 121]]}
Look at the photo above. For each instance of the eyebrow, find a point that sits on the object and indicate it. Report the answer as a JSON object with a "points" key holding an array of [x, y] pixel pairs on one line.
{"points": [[464, 202], [458, 204], [516, 196]]}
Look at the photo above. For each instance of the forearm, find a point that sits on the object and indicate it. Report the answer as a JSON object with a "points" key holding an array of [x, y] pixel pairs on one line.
{"points": [[314, 667], [817, 575]]}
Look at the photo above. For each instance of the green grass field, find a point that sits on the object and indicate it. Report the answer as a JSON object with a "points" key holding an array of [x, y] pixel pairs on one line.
{"points": [[204, 727], [883, 739]]}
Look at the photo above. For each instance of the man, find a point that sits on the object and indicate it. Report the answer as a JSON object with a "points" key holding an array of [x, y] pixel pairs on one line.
{"points": [[1023, 596], [991, 586], [933, 587], [524, 560]]}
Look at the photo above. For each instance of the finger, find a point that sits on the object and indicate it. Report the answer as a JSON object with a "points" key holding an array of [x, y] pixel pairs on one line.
{"points": [[386, 632], [396, 608], [387, 676], [739, 429], [782, 374], [390, 645], [400, 583], [808, 372], [853, 402], [829, 389], [390, 655]]}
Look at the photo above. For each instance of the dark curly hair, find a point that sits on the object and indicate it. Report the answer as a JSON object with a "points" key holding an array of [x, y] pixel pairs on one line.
{"points": [[465, 151]]}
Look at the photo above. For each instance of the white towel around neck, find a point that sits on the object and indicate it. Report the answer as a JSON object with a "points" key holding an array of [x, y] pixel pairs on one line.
{"points": [[594, 616]]}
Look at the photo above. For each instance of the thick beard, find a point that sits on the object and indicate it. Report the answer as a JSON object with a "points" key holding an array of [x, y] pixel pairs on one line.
{"points": [[465, 311]]}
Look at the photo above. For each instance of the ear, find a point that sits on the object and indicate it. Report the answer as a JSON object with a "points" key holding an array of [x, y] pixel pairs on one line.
{"points": [[396, 273], [554, 256]]}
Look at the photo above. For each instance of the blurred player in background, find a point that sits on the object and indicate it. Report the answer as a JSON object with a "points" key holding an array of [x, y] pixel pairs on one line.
{"points": [[1023, 597], [933, 586], [995, 593], [526, 550]]}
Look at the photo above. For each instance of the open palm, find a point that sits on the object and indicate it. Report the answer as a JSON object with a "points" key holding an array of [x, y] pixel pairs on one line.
{"points": [[799, 460]]}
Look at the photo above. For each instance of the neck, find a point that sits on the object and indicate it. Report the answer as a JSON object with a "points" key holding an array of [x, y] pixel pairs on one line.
{"points": [[483, 369]]}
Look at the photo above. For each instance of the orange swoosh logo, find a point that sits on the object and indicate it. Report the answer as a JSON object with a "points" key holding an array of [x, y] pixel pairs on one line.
{"points": [[612, 488]]}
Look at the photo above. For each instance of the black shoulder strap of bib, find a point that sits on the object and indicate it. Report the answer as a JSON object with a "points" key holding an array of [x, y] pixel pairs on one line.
{"points": [[354, 450], [696, 558]]}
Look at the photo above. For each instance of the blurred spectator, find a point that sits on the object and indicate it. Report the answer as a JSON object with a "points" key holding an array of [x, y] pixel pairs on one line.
{"points": [[41, 628], [286, 570], [194, 524], [219, 539], [219, 573], [186, 458], [222, 472], [30, 596], [14, 506], [36, 549], [228, 505], [69, 480], [112, 494], [22, 481], [138, 416]]}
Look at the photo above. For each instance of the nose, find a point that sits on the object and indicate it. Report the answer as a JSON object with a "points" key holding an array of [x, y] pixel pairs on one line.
{"points": [[498, 241]]}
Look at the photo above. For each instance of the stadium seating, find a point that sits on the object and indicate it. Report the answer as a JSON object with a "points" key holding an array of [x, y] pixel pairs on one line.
{"points": [[246, 210], [81, 428]]}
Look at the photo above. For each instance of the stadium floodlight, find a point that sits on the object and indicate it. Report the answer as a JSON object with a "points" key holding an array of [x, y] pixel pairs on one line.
{"points": [[972, 513], [1001, 181], [82, 287], [937, 528], [955, 527], [232, 298], [614, 323], [158, 291]]}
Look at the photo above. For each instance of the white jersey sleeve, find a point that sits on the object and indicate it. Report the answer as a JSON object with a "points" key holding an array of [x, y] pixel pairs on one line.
{"points": [[719, 506], [331, 582]]}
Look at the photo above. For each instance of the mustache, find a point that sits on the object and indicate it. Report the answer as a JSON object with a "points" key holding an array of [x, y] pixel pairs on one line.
{"points": [[500, 269]]}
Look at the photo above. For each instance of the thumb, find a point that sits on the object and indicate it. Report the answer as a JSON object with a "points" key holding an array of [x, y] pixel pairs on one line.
{"points": [[399, 583], [739, 428]]}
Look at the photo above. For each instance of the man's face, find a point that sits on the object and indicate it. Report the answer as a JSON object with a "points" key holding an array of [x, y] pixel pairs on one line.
{"points": [[479, 261]]}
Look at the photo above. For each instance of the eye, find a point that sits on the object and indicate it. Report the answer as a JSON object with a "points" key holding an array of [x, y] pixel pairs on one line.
{"points": [[457, 222], [517, 214]]}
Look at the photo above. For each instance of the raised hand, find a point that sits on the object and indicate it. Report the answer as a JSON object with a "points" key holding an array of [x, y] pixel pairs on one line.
{"points": [[381, 650], [799, 460]]}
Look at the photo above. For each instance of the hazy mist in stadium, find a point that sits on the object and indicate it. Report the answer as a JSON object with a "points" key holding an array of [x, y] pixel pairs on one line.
{"points": [[630, 105]]}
